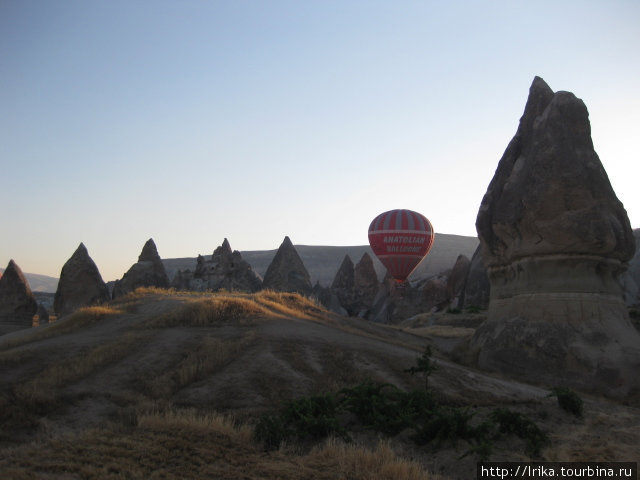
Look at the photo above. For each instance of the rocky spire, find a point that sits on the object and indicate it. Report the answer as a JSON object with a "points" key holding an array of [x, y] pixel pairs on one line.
{"points": [[223, 250], [365, 280], [17, 303], [149, 252], [287, 272], [148, 272], [344, 276], [80, 284], [554, 239]]}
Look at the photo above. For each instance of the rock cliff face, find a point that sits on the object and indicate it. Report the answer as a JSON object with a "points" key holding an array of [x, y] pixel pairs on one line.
{"points": [[225, 270], [80, 284], [631, 278], [476, 288], [147, 272], [555, 240], [286, 272], [17, 303]]}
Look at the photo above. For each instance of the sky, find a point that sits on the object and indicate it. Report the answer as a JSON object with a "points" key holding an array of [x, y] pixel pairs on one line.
{"points": [[190, 121]]}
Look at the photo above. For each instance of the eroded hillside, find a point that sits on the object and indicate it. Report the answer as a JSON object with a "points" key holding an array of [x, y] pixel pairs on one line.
{"points": [[149, 383]]}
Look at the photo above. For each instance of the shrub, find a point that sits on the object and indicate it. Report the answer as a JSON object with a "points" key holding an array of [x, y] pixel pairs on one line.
{"points": [[517, 424], [384, 407], [307, 418], [568, 400], [445, 424]]}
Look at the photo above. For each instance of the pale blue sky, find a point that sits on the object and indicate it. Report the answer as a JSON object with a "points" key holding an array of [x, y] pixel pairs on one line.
{"points": [[191, 121]]}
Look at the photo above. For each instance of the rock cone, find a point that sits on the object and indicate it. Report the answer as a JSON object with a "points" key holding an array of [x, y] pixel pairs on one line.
{"points": [[555, 239], [147, 272], [80, 284], [365, 281], [17, 303], [286, 272]]}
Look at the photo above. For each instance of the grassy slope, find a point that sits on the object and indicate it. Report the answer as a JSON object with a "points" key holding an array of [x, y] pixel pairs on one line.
{"points": [[126, 389]]}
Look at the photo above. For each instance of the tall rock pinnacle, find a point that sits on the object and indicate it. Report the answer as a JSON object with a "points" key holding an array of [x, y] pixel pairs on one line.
{"points": [[555, 239]]}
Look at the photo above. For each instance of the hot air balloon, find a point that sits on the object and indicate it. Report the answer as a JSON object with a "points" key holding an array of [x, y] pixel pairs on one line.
{"points": [[401, 239]]}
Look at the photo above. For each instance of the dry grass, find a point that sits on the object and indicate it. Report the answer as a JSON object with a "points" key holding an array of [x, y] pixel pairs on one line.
{"points": [[211, 311], [290, 304], [355, 462], [42, 388], [211, 355], [82, 317], [184, 444], [601, 436], [192, 419], [143, 292], [24, 406]]}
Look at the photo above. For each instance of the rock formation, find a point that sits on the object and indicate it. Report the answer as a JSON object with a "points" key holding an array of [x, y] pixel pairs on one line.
{"points": [[17, 303], [476, 288], [365, 282], [631, 278], [226, 270], [456, 279], [435, 293], [555, 239], [344, 279], [342, 285], [43, 315], [354, 288], [80, 284], [286, 272], [147, 272]]}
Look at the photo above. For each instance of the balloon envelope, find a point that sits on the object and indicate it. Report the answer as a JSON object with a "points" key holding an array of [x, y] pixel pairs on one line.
{"points": [[401, 239]]}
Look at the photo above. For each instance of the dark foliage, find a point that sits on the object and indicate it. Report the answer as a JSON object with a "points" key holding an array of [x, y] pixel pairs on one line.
{"points": [[568, 400]]}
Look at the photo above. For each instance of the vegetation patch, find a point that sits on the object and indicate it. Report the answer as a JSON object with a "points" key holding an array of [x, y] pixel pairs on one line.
{"points": [[211, 355], [83, 317], [568, 400], [176, 445], [211, 311], [290, 304], [384, 408]]}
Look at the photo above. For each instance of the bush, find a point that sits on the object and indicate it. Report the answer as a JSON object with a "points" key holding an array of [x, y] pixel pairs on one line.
{"points": [[568, 400], [387, 409], [517, 424], [445, 424], [307, 418], [384, 407]]}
